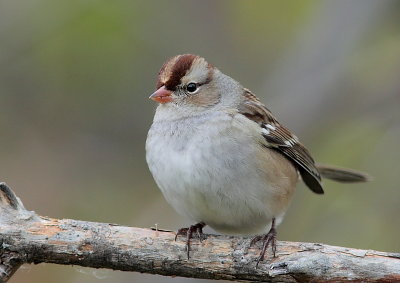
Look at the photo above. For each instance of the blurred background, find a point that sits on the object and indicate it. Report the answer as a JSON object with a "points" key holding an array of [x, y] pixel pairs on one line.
{"points": [[75, 77]]}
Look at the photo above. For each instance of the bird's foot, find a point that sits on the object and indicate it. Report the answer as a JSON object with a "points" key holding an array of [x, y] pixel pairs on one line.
{"points": [[267, 239], [188, 232]]}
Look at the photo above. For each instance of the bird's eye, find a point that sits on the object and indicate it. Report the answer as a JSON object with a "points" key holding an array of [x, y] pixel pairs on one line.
{"points": [[191, 87]]}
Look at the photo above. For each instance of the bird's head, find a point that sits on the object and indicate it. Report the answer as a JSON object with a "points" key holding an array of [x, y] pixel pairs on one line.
{"points": [[189, 84]]}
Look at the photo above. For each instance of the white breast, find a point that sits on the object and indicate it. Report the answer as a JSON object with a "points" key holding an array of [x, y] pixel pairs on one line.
{"points": [[211, 168]]}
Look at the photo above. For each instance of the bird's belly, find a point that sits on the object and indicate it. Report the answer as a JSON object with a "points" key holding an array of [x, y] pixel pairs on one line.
{"points": [[230, 208], [218, 183], [230, 201]]}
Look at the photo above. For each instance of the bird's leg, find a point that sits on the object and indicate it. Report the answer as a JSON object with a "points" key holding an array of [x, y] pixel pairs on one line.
{"points": [[267, 239], [188, 232]]}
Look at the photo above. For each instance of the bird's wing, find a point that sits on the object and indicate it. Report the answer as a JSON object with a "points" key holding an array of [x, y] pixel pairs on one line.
{"points": [[281, 139]]}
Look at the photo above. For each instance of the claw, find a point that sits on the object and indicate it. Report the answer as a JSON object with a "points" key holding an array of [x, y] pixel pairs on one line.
{"points": [[182, 232], [188, 232], [267, 239]]}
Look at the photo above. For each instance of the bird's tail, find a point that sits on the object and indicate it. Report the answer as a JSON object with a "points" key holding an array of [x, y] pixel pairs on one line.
{"points": [[342, 175]]}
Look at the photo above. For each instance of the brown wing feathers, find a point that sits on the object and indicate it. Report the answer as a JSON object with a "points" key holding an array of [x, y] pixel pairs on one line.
{"points": [[281, 139]]}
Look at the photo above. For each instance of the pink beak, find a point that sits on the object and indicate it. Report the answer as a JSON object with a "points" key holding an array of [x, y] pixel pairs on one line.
{"points": [[162, 95]]}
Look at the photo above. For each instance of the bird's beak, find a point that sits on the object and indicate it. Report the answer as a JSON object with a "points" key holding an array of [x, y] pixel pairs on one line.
{"points": [[162, 95]]}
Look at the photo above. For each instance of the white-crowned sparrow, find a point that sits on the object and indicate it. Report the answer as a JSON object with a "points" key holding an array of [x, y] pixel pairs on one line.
{"points": [[221, 158]]}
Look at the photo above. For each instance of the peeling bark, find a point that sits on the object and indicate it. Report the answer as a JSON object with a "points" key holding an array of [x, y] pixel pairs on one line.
{"points": [[28, 238]]}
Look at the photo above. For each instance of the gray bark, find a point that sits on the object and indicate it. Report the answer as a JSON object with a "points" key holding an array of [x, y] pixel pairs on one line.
{"points": [[26, 237]]}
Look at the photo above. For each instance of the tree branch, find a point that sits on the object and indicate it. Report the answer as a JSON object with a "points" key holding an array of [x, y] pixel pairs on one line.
{"points": [[27, 238]]}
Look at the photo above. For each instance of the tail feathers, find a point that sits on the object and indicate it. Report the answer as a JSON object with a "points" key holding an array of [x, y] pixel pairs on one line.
{"points": [[342, 175]]}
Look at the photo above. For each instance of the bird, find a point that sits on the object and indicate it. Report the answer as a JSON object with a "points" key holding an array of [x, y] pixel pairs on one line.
{"points": [[221, 158]]}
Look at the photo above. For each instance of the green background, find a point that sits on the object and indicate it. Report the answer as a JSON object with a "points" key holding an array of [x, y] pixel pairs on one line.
{"points": [[75, 77]]}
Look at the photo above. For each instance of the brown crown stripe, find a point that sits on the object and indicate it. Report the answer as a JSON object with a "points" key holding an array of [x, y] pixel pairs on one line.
{"points": [[162, 70], [180, 68]]}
